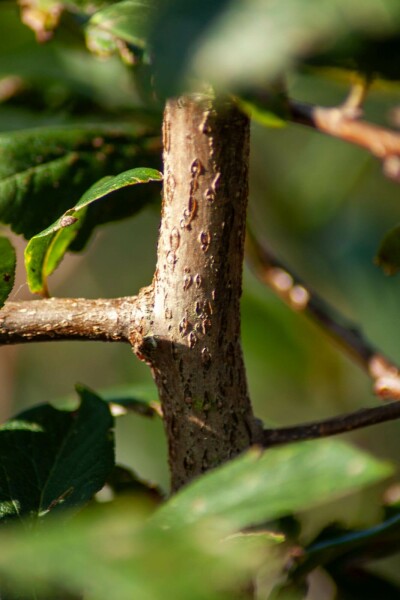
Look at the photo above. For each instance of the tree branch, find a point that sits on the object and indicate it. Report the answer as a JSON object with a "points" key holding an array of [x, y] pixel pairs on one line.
{"points": [[340, 122], [69, 319], [193, 338], [334, 426], [291, 289]]}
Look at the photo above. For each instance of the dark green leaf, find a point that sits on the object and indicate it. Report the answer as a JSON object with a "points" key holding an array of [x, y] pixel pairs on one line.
{"points": [[46, 249], [363, 544], [177, 29], [376, 57], [43, 172], [124, 482], [258, 487], [140, 398], [388, 256], [51, 458], [7, 268]]}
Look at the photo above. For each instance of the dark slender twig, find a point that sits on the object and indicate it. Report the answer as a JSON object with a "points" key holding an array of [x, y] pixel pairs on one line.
{"points": [[109, 320], [341, 122], [334, 426], [298, 296]]}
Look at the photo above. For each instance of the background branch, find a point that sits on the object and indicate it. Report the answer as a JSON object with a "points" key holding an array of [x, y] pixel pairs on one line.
{"points": [[334, 426], [340, 122], [108, 320], [298, 296]]}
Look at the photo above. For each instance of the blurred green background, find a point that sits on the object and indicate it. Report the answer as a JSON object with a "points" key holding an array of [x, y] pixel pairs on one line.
{"points": [[321, 204]]}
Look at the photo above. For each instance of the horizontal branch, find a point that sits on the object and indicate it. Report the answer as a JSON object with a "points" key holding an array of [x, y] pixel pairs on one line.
{"points": [[334, 426], [301, 298], [108, 320], [342, 123]]}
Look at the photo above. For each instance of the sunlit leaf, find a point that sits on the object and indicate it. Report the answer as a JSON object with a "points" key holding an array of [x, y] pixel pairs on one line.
{"points": [[52, 459], [269, 110], [126, 21], [114, 553], [258, 487], [46, 249], [7, 268]]}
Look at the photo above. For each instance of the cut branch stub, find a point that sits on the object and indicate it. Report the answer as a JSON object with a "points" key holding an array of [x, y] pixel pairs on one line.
{"points": [[193, 341]]}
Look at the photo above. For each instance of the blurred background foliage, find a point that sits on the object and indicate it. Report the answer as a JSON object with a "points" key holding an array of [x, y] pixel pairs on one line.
{"points": [[321, 204]]}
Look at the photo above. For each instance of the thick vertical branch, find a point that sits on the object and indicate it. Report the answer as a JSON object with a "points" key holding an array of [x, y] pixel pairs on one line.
{"points": [[193, 344]]}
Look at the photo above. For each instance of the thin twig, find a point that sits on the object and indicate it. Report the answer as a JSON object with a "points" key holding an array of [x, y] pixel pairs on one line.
{"points": [[334, 426], [342, 123], [68, 319], [298, 296]]}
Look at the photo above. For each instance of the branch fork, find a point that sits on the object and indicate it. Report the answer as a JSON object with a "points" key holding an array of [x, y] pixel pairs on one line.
{"points": [[186, 324]]}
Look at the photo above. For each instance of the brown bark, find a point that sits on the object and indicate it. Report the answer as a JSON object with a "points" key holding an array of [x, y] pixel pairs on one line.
{"points": [[365, 417], [68, 319], [192, 341]]}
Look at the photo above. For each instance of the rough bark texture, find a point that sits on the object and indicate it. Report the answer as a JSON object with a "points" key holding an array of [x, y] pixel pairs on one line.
{"points": [[68, 319], [192, 340]]}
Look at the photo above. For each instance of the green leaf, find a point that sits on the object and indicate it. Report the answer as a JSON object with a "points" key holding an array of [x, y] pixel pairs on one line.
{"points": [[141, 398], [7, 268], [122, 481], [43, 172], [46, 249], [258, 487], [388, 256], [53, 459], [127, 21], [110, 553], [234, 43], [269, 108], [78, 77]]}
